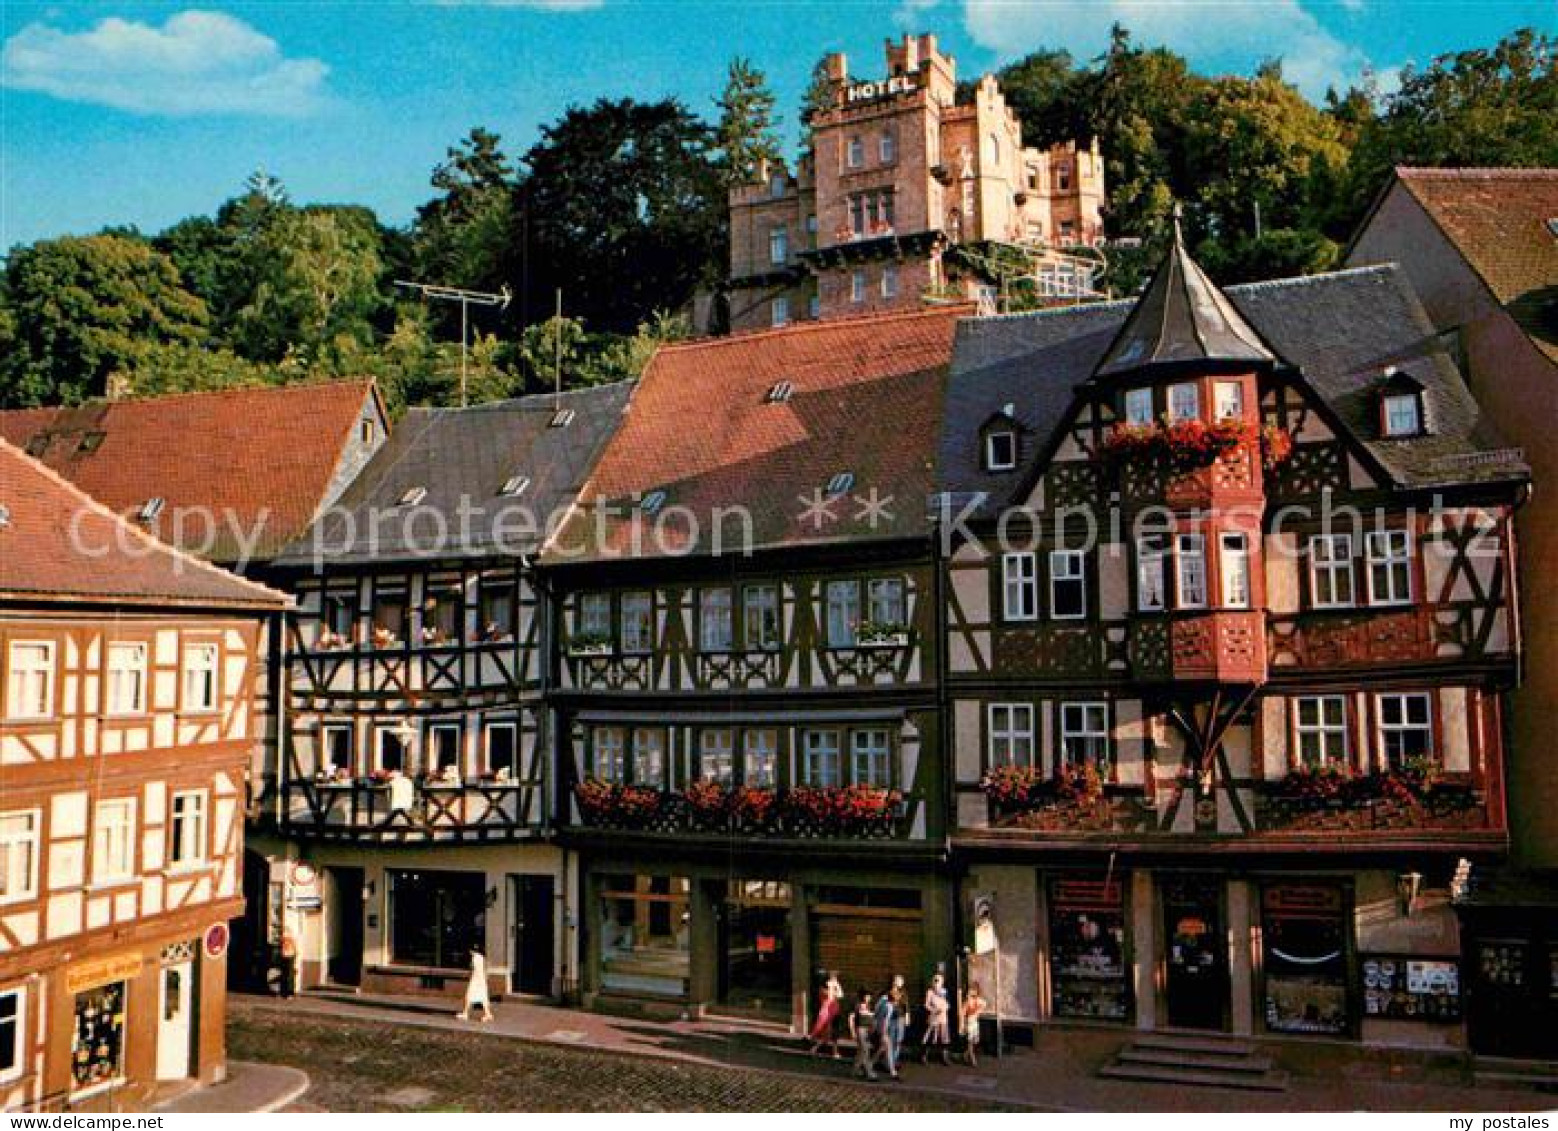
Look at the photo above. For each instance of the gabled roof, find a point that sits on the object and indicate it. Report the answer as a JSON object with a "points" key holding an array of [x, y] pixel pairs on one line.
{"points": [[263, 460], [1181, 317], [59, 545], [462, 458], [1340, 330], [866, 401]]}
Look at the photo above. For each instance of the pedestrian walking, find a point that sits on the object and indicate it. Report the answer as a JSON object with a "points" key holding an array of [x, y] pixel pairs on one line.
{"points": [[973, 1006], [937, 1020], [862, 1027], [476, 988], [883, 1053], [825, 1030], [289, 964]]}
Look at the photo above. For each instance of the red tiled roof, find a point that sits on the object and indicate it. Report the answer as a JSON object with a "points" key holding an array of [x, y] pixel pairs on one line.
{"points": [[58, 544], [1499, 220], [867, 400], [258, 459]]}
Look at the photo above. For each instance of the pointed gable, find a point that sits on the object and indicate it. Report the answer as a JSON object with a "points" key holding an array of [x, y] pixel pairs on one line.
{"points": [[1182, 317]]}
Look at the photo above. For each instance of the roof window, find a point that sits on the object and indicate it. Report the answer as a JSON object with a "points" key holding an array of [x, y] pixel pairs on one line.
{"points": [[841, 483], [515, 485], [151, 508], [561, 418], [652, 502], [411, 496], [779, 392]]}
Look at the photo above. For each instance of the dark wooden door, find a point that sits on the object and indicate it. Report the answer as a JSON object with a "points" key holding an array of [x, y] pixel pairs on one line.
{"points": [[533, 944], [346, 927], [1196, 958]]}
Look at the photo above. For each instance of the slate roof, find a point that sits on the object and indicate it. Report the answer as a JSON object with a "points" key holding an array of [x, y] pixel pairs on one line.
{"points": [[1181, 317], [263, 459], [59, 545], [462, 457], [1501, 222], [1340, 330], [866, 400]]}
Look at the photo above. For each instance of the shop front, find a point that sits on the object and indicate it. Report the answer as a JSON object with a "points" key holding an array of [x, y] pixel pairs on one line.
{"points": [[1090, 960], [755, 946], [1509, 936], [1305, 937]]}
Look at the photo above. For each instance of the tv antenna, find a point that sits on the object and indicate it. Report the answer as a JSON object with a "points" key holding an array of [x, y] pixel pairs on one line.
{"points": [[466, 299]]}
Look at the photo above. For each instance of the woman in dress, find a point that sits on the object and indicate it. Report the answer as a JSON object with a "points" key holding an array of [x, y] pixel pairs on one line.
{"points": [[973, 1006], [937, 1017], [825, 1030], [476, 989]]}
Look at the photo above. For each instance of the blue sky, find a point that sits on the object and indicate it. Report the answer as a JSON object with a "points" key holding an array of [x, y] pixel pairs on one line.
{"points": [[137, 113]]}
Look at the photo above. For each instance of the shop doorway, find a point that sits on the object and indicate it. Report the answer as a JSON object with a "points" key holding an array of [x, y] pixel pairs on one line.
{"points": [[1196, 981], [755, 946], [175, 1016], [532, 934], [346, 910]]}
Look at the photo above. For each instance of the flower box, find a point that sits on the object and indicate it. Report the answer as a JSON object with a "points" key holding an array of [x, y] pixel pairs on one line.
{"points": [[881, 637], [589, 645]]}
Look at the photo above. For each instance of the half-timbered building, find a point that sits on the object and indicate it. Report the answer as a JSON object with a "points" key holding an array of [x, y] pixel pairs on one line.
{"points": [[746, 698], [1230, 615], [414, 808], [127, 725]]}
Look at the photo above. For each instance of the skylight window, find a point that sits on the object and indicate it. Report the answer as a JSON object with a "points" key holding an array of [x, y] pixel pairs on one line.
{"points": [[151, 508], [652, 502], [562, 418], [515, 485], [411, 496], [841, 483], [780, 392]]}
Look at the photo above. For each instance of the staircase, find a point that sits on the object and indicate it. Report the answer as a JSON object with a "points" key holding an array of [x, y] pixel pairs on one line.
{"points": [[1198, 1060], [1509, 1072]]}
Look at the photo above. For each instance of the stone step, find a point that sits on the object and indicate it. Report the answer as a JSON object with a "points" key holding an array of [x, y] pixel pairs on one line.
{"points": [[1209, 1078], [1179, 1058], [1196, 1042]]}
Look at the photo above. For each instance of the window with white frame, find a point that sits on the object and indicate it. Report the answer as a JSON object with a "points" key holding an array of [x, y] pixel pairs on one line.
{"points": [[870, 755], [1233, 566], [1320, 729], [760, 758], [857, 285], [609, 747], [29, 684], [19, 840], [1151, 576], [1067, 584], [1010, 741], [1406, 728], [1390, 567], [1330, 571], [884, 601], [126, 678], [13, 1032], [1138, 407], [1019, 586], [201, 676], [822, 762], [716, 750], [778, 244], [890, 280], [1228, 400], [843, 611], [649, 757], [779, 311], [638, 623], [1184, 402], [501, 742], [1403, 414], [335, 747], [113, 840], [1000, 450], [760, 617], [389, 749], [715, 626], [1084, 734], [857, 153], [1190, 569], [188, 843]]}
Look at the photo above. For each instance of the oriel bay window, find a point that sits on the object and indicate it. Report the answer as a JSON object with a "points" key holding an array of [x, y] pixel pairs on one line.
{"points": [[1330, 571], [1019, 586], [1151, 582], [1228, 400], [638, 623], [760, 617], [1138, 407], [29, 684], [1010, 736], [1406, 727], [1320, 730], [715, 627], [1390, 567], [1067, 584], [1190, 571], [1233, 565], [1184, 402], [1084, 735]]}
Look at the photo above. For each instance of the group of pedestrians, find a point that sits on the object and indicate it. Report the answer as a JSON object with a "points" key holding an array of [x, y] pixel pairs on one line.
{"points": [[879, 1024]]}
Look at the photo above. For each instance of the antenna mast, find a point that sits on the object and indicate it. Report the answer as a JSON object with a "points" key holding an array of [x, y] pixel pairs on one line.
{"points": [[466, 299]]}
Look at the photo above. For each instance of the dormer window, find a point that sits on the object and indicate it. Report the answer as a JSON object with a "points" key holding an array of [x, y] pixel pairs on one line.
{"points": [[1138, 407], [840, 483], [411, 496], [1000, 450], [1403, 414], [515, 485]]}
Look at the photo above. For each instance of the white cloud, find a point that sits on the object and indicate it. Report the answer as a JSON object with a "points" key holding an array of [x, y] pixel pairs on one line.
{"points": [[535, 5], [195, 63], [911, 15], [1227, 35]]}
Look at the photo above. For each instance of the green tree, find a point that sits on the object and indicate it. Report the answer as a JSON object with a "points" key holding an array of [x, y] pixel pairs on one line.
{"points": [[817, 96], [746, 135], [82, 309], [462, 236]]}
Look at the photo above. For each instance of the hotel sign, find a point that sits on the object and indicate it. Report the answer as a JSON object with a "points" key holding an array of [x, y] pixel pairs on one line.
{"points": [[101, 972], [881, 88]]}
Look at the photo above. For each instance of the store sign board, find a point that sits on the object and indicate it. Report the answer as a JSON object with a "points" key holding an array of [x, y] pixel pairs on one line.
{"points": [[1303, 899], [881, 88], [1102, 894], [101, 972]]}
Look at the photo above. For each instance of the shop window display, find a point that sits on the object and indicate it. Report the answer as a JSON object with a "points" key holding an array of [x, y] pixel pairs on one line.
{"points": [[1304, 931], [97, 1050], [1087, 949], [645, 934]]}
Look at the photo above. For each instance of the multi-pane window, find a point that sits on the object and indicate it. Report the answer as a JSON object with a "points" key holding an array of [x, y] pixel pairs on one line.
{"points": [[1320, 724], [1190, 567], [843, 610], [19, 833], [1228, 400], [13, 1029], [126, 679], [595, 616], [638, 624], [113, 840], [188, 845], [1067, 584], [870, 752], [1390, 567], [760, 758], [1403, 415], [444, 739], [885, 600], [1151, 579], [610, 745], [648, 756], [1019, 586], [502, 743], [1011, 734], [778, 244], [335, 741], [715, 755], [200, 677], [29, 684], [760, 616], [857, 153], [1233, 561], [1184, 402], [1405, 727], [1084, 734], [822, 765], [1330, 570], [715, 628], [1138, 407]]}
